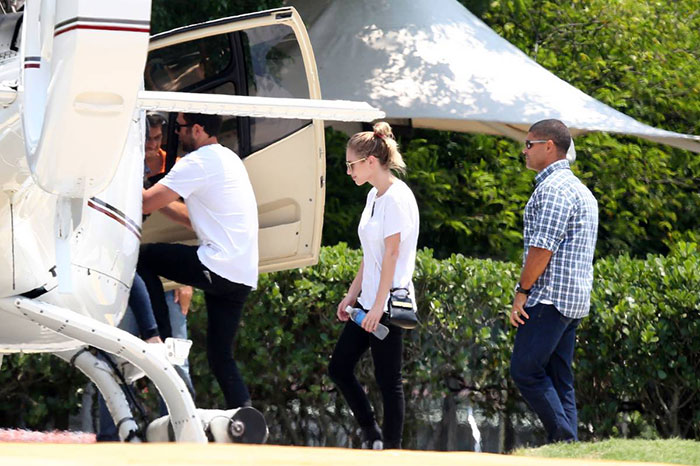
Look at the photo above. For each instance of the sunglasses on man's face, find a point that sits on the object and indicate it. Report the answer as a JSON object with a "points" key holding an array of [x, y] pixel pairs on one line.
{"points": [[529, 144], [177, 126]]}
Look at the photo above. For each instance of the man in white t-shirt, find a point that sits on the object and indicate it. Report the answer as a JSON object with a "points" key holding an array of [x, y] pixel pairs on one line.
{"points": [[220, 207]]}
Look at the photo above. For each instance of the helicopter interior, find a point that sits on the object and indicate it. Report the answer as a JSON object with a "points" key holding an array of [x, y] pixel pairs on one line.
{"points": [[283, 157]]}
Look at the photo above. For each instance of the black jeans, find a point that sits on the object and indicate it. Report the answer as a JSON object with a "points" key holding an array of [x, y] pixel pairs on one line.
{"points": [[224, 299], [387, 356]]}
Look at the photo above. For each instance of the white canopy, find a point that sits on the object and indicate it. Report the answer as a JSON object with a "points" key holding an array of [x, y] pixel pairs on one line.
{"points": [[435, 63]]}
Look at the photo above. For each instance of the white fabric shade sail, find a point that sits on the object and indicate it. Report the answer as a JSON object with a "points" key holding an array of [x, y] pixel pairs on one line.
{"points": [[435, 63]]}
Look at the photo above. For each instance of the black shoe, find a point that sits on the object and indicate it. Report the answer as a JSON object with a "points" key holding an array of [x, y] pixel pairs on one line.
{"points": [[392, 445], [375, 445], [372, 438]]}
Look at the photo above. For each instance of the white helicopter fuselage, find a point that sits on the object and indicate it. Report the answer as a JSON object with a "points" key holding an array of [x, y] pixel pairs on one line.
{"points": [[103, 246], [41, 187], [72, 134]]}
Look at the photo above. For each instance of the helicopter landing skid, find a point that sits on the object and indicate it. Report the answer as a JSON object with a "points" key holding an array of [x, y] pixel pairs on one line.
{"points": [[187, 425]]}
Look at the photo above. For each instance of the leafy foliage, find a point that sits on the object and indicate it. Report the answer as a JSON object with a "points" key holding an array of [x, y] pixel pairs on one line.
{"points": [[644, 337], [166, 15], [641, 58], [470, 190], [636, 359], [38, 391]]}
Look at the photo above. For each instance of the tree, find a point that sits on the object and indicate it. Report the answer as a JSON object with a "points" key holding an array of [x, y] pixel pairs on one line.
{"points": [[641, 58], [166, 15]]}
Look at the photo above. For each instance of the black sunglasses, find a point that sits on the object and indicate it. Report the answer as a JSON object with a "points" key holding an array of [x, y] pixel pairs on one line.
{"points": [[177, 126]]}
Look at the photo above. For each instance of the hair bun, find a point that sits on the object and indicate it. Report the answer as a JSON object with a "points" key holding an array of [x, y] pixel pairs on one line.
{"points": [[382, 130]]}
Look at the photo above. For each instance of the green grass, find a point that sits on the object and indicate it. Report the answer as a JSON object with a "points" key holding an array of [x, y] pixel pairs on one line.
{"points": [[659, 451]]}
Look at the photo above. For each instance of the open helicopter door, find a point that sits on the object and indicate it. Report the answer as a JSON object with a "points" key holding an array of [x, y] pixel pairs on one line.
{"points": [[265, 54]]}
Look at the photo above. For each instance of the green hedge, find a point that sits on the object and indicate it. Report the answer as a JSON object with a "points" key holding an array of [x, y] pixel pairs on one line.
{"points": [[640, 351], [637, 358]]}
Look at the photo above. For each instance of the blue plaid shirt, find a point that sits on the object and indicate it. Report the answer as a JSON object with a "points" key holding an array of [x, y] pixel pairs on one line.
{"points": [[562, 216]]}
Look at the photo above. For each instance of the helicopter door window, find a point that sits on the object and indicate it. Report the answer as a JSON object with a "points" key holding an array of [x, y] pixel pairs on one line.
{"points": [[228, 136], [187, 64], [274, 68]]}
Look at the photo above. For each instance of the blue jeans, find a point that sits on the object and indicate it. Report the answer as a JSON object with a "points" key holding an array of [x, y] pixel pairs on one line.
{"points": [[140, 305], [541, 368], [178, 324]]}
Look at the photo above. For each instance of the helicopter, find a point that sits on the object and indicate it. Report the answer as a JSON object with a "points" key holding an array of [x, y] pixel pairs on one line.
{"points": [[76, 80]]}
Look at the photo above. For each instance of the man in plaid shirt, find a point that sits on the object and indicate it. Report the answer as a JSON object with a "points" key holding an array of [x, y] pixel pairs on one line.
{"points": [[553, 295]]}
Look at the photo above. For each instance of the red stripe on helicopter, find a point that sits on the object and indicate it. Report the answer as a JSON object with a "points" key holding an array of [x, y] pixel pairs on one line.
{"points": [[115, 211], [32, 62], [102, 28], [113, 216]]}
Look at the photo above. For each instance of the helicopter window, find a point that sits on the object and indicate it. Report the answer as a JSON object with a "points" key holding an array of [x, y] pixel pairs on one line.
{"points": [[274, 68], [182, 65], [264, 61], [228, 136]]}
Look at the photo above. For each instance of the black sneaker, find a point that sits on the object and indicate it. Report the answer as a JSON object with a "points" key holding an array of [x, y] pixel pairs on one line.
{"points": [[372, 438]]}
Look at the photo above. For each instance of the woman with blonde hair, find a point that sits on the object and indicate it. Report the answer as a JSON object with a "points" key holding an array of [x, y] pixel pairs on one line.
{"points": [[388, 232]]}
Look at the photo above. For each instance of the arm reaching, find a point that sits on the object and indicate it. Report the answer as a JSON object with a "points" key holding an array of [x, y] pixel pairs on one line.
{"points": [[160, 197], [177, 212], [156, 197]]}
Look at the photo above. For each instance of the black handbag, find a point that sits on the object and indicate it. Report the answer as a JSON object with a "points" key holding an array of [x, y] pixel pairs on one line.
{"points": [[401, 310]]}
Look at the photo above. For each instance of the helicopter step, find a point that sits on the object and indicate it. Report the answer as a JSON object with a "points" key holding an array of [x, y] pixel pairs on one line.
{"points": [[240, 425]]}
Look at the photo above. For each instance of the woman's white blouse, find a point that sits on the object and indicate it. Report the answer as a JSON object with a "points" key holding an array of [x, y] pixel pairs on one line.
{"points": [[396, 211]]}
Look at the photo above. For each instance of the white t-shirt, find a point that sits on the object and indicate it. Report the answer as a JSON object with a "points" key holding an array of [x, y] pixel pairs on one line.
{"points": [[396, 211], [222, 209]]}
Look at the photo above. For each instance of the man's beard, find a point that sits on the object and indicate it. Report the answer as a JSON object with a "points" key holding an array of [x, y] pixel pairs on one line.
{"points": [[187, 147]]}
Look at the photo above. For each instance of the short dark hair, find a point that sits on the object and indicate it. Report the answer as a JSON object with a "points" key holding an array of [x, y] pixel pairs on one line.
{"points": [[156, 120], [554, 130], [210, 123]]}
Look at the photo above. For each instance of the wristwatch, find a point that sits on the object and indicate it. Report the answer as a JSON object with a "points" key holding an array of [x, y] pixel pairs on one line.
{"points": [[520, 289]]}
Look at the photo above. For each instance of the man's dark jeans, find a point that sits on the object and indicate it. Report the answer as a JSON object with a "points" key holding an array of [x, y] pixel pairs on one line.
{"points": [[541, 368], [224, 299]]}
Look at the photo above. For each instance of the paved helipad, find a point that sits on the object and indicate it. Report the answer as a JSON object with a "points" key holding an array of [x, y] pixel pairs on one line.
{"points": [[107, 454]]}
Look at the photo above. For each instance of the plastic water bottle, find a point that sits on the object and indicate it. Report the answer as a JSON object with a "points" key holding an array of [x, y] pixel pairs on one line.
{"points": [[358, 315]]}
